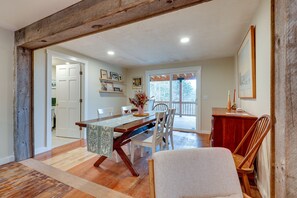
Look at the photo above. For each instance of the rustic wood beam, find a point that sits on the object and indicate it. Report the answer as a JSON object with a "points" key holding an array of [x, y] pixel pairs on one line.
{"points": [[285, 98], [91, 16], [23, 100]]}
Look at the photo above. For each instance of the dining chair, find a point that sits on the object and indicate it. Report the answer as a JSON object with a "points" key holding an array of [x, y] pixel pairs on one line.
{"points": [[150, 104], [196, 172], [169, 128], [160, 107], [152, 138], [126, 109], [105, 112], [254, 138]]}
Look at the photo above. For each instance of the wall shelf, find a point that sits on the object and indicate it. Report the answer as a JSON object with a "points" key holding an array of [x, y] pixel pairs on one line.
{"points": [[112, 81], [116, 92]]}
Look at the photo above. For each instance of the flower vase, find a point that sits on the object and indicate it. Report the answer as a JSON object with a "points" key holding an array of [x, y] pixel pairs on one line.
{"points": [[140, 110], [228, 102]]}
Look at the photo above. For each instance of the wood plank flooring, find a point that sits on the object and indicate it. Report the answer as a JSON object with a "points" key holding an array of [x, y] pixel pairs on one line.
{"points": [[115, 175], [17, 180], [72, 160]]}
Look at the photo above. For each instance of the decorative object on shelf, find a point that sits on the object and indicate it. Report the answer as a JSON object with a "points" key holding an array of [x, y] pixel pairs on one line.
{"points": [[104, 86], [103, 74], [114, 76], [120, 77], [117, 89], [109, 86], [233, 107], [247, 66], [139, 100], [137, 83], [229, 101]]}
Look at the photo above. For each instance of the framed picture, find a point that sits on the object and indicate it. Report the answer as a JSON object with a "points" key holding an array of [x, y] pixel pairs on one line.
{"points": [[109, 86], [246, 58], [137, 83], [114, 76], [103, 74]]}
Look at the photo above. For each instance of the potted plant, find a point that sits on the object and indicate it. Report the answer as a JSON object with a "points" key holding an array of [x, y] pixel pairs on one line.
{"points": [[139, 100]]}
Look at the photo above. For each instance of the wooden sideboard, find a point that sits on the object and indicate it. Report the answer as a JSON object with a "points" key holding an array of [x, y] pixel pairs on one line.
{"points": [[229, 127]]}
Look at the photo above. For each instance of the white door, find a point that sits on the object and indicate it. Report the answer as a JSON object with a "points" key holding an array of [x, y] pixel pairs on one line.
{"points": [[68, 100]]}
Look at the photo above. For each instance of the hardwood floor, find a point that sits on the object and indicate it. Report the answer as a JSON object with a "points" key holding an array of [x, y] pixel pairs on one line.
{"points": [[78, 163], [17, 180]]}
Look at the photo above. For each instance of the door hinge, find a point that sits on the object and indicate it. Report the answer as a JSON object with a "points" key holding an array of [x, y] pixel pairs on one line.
{"points": [[80, 100], [81, 73]]}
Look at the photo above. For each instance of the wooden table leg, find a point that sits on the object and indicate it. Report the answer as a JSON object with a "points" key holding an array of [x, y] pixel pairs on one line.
{"points": [[99, 161], [127, 161]]}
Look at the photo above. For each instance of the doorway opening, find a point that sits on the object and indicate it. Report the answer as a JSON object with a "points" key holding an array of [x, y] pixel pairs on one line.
{"points": [[179, 89], [66, 98]]}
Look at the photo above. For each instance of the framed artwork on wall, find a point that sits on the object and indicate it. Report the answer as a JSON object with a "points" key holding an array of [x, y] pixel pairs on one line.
{"points": [[103, 74], [246, 63], [137, 83], [114, 76]]}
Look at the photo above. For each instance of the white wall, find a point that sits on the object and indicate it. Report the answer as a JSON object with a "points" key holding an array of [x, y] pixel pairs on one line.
{"points": [[6, 90], [95, 99], [261, 105], [217, 78]]}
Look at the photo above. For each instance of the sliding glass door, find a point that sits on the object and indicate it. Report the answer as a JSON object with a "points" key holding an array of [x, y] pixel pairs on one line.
{"points": [[178, 90]]}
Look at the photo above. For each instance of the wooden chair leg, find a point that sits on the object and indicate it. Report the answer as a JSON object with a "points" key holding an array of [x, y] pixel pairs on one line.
{"points": [[117, 157], [141, 151], [246, 184], [167, 143], [171, 141], [129, 148], [132, 153]]}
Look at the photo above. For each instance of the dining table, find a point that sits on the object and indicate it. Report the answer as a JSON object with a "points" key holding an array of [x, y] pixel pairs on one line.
{"points": [[127, 130]]}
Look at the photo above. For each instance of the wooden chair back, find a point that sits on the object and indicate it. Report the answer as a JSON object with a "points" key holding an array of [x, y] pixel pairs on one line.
{"points": [[258, 131], [105, 112], [160, 107], [159, 127], [170, 120], [126, 109], [150, 104]]}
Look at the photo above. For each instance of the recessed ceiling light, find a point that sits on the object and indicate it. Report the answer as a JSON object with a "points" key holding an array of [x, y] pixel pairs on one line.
{"points": [[110, 53], [185, 40]]}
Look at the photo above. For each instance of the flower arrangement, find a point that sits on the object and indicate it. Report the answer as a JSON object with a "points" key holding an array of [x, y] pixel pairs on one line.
{"points": [[139, 100]]}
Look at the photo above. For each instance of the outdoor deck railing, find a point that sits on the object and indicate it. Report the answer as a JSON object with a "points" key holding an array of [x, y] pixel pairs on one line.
{"points": [[187, 108]]}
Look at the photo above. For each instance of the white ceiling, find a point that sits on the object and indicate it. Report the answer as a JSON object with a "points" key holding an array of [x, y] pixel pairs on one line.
{"points": [[216, 30], [16, 14]]}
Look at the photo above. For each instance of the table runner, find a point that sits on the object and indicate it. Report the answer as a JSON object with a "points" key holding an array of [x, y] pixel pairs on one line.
{"points": [[100, 134]]}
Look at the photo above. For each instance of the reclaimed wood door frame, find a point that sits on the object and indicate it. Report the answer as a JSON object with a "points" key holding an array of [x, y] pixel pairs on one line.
{"points": [[95, 16]]}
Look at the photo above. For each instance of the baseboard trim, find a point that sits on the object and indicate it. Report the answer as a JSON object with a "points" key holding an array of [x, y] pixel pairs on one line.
{"points": [[41, 150], [7, 159]]}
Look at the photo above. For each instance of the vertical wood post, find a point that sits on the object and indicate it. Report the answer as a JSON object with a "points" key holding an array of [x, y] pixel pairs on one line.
{"points": [[285, 98], [23, 100]]}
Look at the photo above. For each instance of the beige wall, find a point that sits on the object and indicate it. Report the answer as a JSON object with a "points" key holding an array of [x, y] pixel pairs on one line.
{"points": [[261, 105], [6, 90], [94, 100], [217, 78]]}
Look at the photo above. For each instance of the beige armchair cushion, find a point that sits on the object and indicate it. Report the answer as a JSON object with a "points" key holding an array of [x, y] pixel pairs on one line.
{"points": [[201, 172]]}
